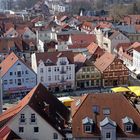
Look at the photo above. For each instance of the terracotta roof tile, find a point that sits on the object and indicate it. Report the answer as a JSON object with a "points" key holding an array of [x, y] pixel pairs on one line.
{"points": [[92, 48], [7, 134], [37, 99], [104, 61], [124, 46], [9, 61], [53, 56], [79, 58], [111, 101], [83, 38]]}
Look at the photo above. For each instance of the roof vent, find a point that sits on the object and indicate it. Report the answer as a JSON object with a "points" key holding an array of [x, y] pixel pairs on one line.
{"points": [[59, 54], [78, 102]]}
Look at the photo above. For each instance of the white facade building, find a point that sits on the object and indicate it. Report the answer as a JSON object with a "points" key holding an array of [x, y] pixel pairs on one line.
{"points": [[17, 77], [56, 70], [34, 127], [38, 116], [109, 40]]}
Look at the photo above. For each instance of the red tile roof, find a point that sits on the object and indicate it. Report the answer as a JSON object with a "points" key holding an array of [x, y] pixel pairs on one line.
{"points": [[79, 58], [111, 101], [53, 56], [104, 61], [124, 46], [83, 38], [37, 99], [92, 48], [7, 134], [9, 61]]}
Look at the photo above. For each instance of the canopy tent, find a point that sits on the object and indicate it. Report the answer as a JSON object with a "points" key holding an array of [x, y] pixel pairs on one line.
{"points": [[66, 100], [120, 89], [135, 90]]}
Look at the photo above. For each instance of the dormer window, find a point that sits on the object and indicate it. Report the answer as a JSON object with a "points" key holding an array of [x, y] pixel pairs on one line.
{"points": [[128, 124], [108, 135], [87, 125], [128, 128], [88, 128]]}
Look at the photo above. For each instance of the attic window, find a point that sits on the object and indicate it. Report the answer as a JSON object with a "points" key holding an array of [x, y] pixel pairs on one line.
{"points": [[128, 124], [88, 128], [18, 64], [87, 124], [95, 109], [106, 111], [48, 61], [128, 128]]}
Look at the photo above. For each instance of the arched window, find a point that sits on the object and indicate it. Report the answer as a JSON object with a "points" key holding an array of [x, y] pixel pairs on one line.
{"points": [[55, 136]]}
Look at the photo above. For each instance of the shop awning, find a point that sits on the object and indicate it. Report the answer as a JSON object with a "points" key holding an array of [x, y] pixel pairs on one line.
{"points": [[120, 89], [66, 100], [135, 90]]}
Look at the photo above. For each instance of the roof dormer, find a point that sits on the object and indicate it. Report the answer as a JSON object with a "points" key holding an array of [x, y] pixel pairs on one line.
{"points": [[107, 121], [87, 125], [128, 124]]}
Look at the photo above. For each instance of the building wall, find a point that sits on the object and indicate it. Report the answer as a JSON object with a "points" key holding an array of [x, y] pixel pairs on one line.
{"points": [[28, 79], [44, 35], [116, 74], [107, 44], [108, 128], [46, 131], [119, 39], [54, 75], [87, 77], [136, 59], [28, 34], [34, 62]]}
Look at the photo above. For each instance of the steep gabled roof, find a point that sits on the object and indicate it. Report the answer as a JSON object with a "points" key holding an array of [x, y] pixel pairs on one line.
{"points": [[37, 99], [9, 61], [112, 102], [92, 48], [53, 56], [7, 134], [104, 61]]}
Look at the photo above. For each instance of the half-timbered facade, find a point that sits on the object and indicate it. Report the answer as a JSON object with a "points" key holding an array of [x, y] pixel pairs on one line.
{"points": [[114, 72]]}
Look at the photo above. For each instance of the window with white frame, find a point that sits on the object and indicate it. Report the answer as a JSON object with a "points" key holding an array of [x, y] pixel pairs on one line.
{"points": [[128, 128], [108, 136], [88, 128]]}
